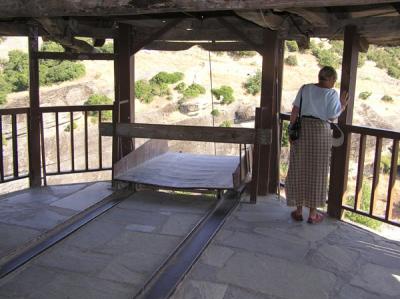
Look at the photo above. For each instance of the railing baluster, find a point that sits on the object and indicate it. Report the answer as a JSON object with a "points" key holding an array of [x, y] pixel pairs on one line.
{"points": [[15, 144], [71, 124], [58, 144], [1, 150], [360, 172], [375, 179], [86, 141], [392, 180], [100, 144], [43, 149]]}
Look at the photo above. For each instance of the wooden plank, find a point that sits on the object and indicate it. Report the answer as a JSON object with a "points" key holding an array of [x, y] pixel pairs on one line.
{"points": [[340, 155], [100, 143], [34, 116], [392, 180], [74, 56], [376, 173], [193, 133], [149, 150], [43, 147], [86, 140], [217, 46], [256, 160], [53, 8], [8, 111], [360, 172]]}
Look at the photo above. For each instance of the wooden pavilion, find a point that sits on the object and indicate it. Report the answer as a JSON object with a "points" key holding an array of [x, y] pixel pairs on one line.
{"points": [[217, 25]]}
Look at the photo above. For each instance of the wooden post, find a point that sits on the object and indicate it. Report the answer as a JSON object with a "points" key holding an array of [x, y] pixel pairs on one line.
{"points": [[34, 113], [125, 83], [275, 146], [340, 155], [268, 101]]}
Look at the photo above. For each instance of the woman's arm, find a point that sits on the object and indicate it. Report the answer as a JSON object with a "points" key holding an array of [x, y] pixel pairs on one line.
{"points": [[294, 114]]}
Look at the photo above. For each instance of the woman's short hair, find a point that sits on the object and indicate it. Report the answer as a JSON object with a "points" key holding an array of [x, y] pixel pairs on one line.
{"points": [[326, 73]]}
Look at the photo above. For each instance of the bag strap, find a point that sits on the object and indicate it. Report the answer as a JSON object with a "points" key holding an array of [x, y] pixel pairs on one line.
{"points": [[301, 100]]}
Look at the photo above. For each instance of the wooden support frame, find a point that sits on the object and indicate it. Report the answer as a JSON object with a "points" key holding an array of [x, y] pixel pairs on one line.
{"points": [[340, 155], [268, 101], [124, 67], [34, 112], [74, 56]]}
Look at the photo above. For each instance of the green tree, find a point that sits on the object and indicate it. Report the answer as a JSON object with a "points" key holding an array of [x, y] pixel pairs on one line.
{"points": [[167, 78], [291, 60], [143, 91], [99, 99], [292, 46], [5, 88], [16, 70]]}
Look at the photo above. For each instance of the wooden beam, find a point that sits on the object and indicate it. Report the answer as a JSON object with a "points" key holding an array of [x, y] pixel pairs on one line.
{"points": [[137, 45], [240, 34], [318, 17], [208, 46], [35, 179], [340, 155], [56, 8], [264, 19], [268, 101], [74, 56], [192, 133]]}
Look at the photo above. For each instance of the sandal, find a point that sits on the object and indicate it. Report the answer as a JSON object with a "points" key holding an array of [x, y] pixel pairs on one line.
{"points": [[295, 216], [317, 219]]}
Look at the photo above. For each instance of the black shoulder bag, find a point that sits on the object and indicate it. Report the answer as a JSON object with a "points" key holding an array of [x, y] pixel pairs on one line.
{"points": [[294, 129]]}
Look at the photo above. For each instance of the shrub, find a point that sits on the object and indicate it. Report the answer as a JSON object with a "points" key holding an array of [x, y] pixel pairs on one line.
{"points": [[328, 58], [193, 91], [226, 124], [5, 88], [215, 112], [241, 54], [387, 98], [362, 57], [159, 89], [167, 78], [292, 46], [291, 60], [107, 48], [143, 91], [285, 135], [180, 87], [365, 95], [364, 205], [68, 127], [337, 46], [253, 84], [63, 71], [385, 163], [224, 94], [100, 99], [16, 70], [51, 46], [394, 71]]}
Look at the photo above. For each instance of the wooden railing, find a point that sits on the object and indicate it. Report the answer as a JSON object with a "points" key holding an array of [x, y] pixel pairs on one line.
{"points": [[15, 130], [57, 123], [381, 136]]}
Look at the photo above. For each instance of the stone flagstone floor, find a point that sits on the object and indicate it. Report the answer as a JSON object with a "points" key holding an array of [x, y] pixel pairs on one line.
{"points": [[261, 253]]}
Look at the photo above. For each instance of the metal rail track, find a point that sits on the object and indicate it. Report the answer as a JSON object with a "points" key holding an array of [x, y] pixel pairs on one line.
{"points": [[61, 232], [163, 282]]}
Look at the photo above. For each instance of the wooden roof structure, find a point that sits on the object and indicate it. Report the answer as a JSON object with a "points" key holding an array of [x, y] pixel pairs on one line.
{"points": [[178, 25]]}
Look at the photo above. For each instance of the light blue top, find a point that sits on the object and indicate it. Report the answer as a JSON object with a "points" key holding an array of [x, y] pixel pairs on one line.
{"points": [[319, 102]]}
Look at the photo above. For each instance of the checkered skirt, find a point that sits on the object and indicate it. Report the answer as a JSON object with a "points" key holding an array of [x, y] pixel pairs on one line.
{"points": [[307, 179]]}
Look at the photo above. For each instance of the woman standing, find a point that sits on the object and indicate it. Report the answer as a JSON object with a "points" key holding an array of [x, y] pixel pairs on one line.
{"points": [[307, 179]]}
